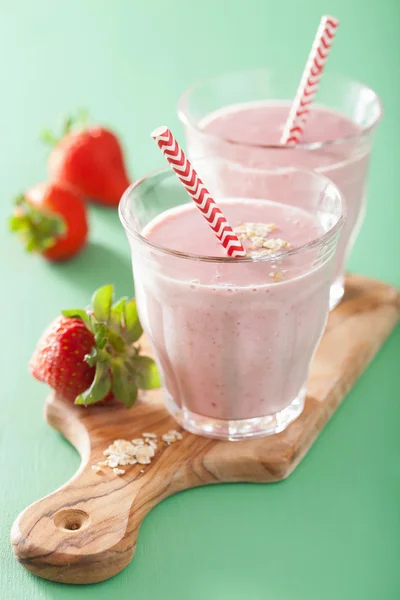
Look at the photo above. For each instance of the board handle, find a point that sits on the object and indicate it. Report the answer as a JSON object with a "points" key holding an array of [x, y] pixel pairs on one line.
{"points": [[76, 535], [86, 531]]}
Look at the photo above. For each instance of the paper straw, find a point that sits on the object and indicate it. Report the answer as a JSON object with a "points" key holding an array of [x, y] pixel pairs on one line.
{"points": [[294, 127], [198, 192]]}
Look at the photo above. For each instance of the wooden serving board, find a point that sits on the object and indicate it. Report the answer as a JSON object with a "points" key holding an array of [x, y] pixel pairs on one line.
{"points": [[86, 531]]}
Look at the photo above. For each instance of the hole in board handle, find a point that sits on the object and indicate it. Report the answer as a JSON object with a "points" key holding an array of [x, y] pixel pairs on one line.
{"points": [[71, 519]]}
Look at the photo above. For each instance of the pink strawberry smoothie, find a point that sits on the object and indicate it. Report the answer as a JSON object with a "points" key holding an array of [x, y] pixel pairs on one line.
{"points": [[255, 127], [234, 340]]}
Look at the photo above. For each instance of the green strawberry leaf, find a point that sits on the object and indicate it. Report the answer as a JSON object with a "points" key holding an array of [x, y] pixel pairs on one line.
{"points": [[76, 123], [100, 387], [117, 342], [101, 334], [19, 223], [39, 230], [78, 314], [70, 123], [49, 138], [101, 302], [118, 314], [92, 357], [146, 373], [119, 365], [67, 125], [124, 387], [132, 323]]}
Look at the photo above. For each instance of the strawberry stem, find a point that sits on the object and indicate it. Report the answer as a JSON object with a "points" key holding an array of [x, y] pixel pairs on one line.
{"points": [[38, 230], [78, 122], [119, 365]]}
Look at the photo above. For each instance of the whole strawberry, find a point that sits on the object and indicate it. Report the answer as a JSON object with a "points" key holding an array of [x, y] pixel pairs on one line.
{"points": [[50, 219], [91, 159], [90, 356], [59, 358]]}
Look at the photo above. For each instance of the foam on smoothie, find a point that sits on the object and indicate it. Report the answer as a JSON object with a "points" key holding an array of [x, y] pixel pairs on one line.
{"points": [[263, 122], [183, 228]]}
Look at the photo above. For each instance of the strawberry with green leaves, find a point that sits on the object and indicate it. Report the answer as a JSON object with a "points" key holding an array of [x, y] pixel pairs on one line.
{"points": [[91, 159], [88, 356], [50, 219]]}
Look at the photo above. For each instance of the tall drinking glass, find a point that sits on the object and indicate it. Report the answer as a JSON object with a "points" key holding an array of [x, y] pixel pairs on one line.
{"points": [[233, 338], [240, 117]]}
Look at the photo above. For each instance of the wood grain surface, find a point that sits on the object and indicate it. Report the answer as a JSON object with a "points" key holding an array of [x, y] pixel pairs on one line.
{"points": [[86, 531]]}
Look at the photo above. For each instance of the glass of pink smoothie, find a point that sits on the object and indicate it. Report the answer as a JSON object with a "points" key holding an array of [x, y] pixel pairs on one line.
{"points": [[241, 116], [234, 338]]}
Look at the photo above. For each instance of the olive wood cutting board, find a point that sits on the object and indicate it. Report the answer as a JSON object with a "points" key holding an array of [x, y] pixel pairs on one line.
{"points": [[87, 530]]}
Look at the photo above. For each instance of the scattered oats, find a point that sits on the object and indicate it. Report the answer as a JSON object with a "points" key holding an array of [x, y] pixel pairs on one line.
{"points": [[241, 228], [118, 443], [276, 244], [138, 442], [150, 451], [144, 455], [171, 436], [122, 453], [257, 234], [276, 276], [119, 471], [260, 253], [131, 451], [257, 242], [260, 230]]}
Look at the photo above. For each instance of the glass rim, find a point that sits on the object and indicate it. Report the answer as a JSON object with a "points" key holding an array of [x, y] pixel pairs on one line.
{"points": [[124, 212], [183, 113]]}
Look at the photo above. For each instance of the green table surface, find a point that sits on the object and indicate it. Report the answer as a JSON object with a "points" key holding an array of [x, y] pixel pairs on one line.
{"points": [[332, 530]]}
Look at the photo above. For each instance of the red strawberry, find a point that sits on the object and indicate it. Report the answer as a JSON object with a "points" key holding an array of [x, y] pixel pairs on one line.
{"points": [[59, 358], [92, 160], [90, 356], [51, 219]]}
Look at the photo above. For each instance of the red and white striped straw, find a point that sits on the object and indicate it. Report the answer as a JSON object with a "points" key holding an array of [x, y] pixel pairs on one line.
{"points": [[198, 192], [294, 127]]}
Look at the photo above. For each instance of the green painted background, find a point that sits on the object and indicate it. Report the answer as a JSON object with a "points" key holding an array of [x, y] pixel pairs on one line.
{"points": [[332, 531]]}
